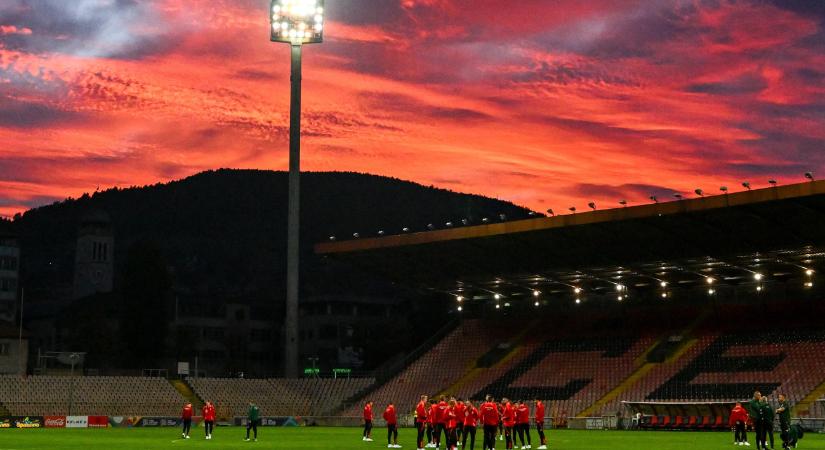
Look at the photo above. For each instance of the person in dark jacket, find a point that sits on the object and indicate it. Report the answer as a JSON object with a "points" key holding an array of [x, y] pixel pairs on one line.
{"points": [[753, 410], [784, 411], [766, 417]]}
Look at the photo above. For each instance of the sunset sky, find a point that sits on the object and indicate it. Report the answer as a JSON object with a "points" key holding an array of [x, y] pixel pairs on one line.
{"points": [[547, 103]]}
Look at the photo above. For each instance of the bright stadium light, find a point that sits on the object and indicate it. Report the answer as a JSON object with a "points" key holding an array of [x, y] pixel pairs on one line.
{"points": [[460, 298], [759, 288], [497, 296], [664, 294], [711, 291], [577, 290], [619, 287], [459, 308], [578, 301], [663, 284], [809, 284], [757, 276], [498, 306], [709, 280], [537, 303], [536, 293], [809, 272], [295, 22]]}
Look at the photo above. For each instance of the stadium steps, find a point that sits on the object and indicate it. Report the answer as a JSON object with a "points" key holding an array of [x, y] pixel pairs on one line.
{"points": [[185, 390], [643, 368], [804, 405], [474, 371]]}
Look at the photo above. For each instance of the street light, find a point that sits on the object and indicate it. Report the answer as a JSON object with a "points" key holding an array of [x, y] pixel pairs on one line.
{"points": [[294, 22]]}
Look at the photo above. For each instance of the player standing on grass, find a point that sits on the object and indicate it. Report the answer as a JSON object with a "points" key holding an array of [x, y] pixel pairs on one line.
{"points": [[784, 411], [508, 419], [470, 424], [440, 420], [253, 418], [421, 421], [459, 414], [766, 416], [754, 410], [490, 421], [452, 425], [392, 426], [738, 421], [186, 418], [208, 418], [431, 424], [540, 424], [367, 422], [523, 424]]}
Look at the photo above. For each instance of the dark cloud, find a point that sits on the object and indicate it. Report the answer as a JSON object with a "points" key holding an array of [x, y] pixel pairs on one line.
{"points": [[805, 8], [618, 192], [745, 84], [365, 12], [125, 29], [20, 114]]}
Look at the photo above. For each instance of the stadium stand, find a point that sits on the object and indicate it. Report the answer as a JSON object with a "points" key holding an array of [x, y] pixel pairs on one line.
{"points": [[62, 395], [277, 397]]}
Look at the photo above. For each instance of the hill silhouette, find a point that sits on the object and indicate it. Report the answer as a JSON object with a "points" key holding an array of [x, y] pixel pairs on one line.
{"points": [[225, 230]]}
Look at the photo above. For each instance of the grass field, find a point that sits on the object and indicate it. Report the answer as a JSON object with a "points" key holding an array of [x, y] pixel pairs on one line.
{"points": [[347, 439]]}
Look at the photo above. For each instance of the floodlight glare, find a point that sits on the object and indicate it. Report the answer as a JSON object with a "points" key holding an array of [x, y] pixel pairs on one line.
{"points": [[663, 284], [577, 290], [459, 309], [536, 293], [459, 298], [297, 22], [578, 300], [809, 272], [757, 276], [709, 280], [497, 296]]}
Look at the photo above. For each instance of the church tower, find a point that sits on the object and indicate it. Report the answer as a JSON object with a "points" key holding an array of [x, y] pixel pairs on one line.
{"points": [[94, 257]]}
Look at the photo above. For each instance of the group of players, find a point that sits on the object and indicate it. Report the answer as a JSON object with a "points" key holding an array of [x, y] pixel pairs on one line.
{"points": [[253, 419], [760, 412], [457, 420]]}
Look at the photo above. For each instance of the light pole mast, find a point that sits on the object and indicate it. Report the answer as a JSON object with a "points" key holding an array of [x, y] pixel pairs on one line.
{"points": [[295, 22]]}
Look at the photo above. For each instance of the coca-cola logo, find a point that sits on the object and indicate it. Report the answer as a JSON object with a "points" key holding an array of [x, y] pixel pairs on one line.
{"points": [[55, 422]]}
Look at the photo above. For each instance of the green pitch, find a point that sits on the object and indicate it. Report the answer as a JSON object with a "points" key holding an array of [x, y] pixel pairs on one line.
{"points": [[348, 439]]}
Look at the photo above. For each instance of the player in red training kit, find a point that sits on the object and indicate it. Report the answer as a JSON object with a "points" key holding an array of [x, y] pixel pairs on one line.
{"points": [[186, 418], [208, 419], [450, 424], [392, 426], [489, 420], [470, 424], [523, 424], [738, 421], [508, 419], [367, 422], [459, 414], [431, 423], [539, 418], [441, 420], [421, 421]]}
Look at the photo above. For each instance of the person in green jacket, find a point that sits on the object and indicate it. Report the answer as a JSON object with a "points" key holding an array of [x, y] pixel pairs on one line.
{"points": [[754, 412], [253, 418], [784, 411], [766, 416]]}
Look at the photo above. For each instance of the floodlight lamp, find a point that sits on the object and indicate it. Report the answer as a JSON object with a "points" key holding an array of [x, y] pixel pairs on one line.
{"points": [[485, 220], [459, 309], [405, 230], [356, 235], [497, 296], [498, 306], [297, 22], [449, 224], [711, 291], [809, 272], [380, 232], [757, 276], [459, 298], [809, 284], [536, 293], [710, 280], [332, 238], [619, 287], [577, 291], [664, 294], [663, 284], [537, 303], [578, 300], [758, 288]]}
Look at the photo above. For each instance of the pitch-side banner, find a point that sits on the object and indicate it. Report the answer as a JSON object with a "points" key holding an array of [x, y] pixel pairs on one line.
{"points": [[54, 421], [21, 422], [77, 421]]}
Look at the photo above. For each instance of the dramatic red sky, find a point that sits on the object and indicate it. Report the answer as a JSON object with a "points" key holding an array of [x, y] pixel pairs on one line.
{"points": [[548, 103]]}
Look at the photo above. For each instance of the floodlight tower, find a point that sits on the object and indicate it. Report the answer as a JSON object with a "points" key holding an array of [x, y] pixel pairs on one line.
{"points": [[294, 22]]}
